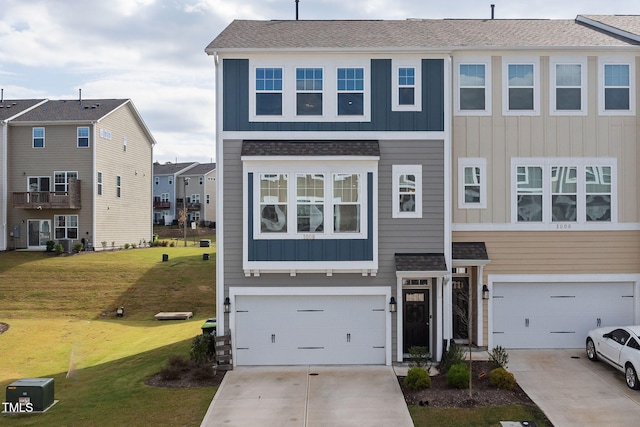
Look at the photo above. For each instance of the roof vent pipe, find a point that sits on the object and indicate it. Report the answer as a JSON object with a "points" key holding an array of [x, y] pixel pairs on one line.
{"points": [[297, 1], [80, 96], [1, 95], [493, 7]]}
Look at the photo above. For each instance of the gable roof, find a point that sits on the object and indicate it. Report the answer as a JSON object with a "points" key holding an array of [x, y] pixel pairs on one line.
{"points": [[12, 107], [411, 34], [420, 262], [87, 110], [469, 251], [172, 168], [622, 25], [200, 169]]}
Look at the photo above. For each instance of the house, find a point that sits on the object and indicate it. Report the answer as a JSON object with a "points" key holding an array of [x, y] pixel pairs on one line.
{"points": [[77, 171], [166, 189], [200, 194], [388, 184]]}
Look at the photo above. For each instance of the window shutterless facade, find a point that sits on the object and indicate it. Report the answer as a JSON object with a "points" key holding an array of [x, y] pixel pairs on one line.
{"points": [[309, 91], [521, 87], [564, 191], [350, 91], [407, 191], [268, 87], [568, 95], [472, 189], [83, 137], [99, 183], [473, 83], [38, 137], [616, 86], [66, 227]]}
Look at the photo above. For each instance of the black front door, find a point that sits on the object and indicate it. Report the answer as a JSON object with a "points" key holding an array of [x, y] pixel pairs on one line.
{"points": [[416, 319]]}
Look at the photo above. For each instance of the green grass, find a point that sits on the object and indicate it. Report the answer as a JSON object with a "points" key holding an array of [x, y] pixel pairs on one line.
{"points": [[489, 416], [61, 312]]}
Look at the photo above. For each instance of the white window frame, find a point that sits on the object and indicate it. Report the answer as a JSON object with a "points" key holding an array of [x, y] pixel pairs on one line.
{"points": [[506, 61], [67, 175], [617, 60], [208, 199], [88, 137], [124, 144], [156, 180], [416, 64], [253, 116], [99, 178], [195, 198], [164, 197], [201, 180], [546, 164], [302, 91], [33, 137], [398, 171], [170, 180], [118, 186], [482, 60], [328, 169], [554, 61], [66, 227], [472, 162]]}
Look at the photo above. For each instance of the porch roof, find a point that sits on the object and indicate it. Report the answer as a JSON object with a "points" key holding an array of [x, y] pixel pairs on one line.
{"points": [[365, 148], [420, 262], [469, 251]]}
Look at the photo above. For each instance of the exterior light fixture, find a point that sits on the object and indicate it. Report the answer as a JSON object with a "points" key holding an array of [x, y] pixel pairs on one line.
{"points": [[120, 311], [485, 292], [393, 306], [227, 305]]}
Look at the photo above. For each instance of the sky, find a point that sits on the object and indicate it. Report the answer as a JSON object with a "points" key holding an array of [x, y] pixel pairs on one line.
{"points": [[152, 51]]}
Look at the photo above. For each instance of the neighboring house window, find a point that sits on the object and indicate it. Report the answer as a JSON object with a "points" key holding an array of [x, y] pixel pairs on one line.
{"points": [[201, 180], [39, 183], [577, 190], [124, 144], [196, 216], [195, 198], [61, 181], [309, 91], [568, 89], [268, 91], [207, 198], [407, 191], [118, 186], [38, 137], [273, 202], [83, 137], [472, 193], [170, 180], [521, 88], [472, 87], [310, 203], [164, 197], [157, 180], [350, 91], [66, 226], [99, 183]]}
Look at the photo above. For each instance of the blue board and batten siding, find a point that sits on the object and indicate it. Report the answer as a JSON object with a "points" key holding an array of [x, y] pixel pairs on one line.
{"points": [[311, 250], [431, 118]]}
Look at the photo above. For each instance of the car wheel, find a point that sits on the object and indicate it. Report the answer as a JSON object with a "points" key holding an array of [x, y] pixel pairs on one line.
{"points": [[631, 377], [591, 350]]}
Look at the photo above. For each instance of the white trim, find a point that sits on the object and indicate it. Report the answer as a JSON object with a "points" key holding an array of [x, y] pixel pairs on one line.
{"points": [[568, 60], [559, 278], [557, 227], [317, 136], [520, 60], [397, 172], [222, 326], [472, 162], [310, 91], [617, 60], [385, 291], [472, 60], [480, 302], [416, 64]]}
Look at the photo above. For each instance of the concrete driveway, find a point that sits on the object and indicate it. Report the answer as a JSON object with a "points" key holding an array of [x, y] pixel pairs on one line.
{"points": [[309, 396], [573, 391]]}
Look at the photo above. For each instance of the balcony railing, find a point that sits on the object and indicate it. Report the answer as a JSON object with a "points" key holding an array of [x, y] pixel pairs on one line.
{"points": [[190, 206], [49, 199], [161, 205]]}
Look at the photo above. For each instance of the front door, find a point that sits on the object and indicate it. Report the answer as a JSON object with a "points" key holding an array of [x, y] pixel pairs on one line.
{"points": [[39, 232], [416, 319], [460, 308]]}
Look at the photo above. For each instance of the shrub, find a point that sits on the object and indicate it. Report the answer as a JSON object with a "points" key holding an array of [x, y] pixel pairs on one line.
{"points": [[77, 247], [177, 361], [126, 245], [58, 249], [203, 372], [170, 373], [172, 244], [203, 349], [499, 356], [458, 376], [418, 356], [417, 379], [453, 356], [501, 378], [50, 245], [104, 244]]}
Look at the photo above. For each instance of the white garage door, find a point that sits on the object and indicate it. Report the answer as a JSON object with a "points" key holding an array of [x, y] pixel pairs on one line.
{"points": [[300, 330], [557, 315]]}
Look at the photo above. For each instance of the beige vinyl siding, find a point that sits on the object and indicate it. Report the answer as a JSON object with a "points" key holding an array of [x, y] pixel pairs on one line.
{"points": [[210, 189], [498, 139], [127, 219]]}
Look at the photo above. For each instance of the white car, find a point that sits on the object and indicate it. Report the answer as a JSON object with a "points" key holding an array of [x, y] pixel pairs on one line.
{"points": [[619, 346]]}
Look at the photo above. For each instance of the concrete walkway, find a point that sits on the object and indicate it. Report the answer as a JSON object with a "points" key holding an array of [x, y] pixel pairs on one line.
{"points": [[573, 391], [309, 396]]}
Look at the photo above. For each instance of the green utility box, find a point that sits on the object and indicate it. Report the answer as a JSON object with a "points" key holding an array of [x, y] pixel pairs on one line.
{"points": [[209, 327], [37, 391]]}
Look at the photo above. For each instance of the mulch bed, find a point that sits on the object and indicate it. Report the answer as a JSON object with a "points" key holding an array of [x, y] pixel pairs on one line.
{"points": [[187, 379]]}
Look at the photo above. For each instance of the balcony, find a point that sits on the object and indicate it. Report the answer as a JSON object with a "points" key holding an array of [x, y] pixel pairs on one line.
{"points": [[161, 205], [49, 199], [190, 206]]}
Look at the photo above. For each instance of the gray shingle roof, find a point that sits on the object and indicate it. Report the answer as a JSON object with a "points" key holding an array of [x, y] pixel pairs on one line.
{"points": [[310, 148], [469, 251], [11, 107], [409, 34], [170, 168], [72, 110], [201, 169], [627, 23], [420, 262]]}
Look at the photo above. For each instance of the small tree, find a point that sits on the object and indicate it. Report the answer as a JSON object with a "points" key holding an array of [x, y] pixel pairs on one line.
{"points": [[203, 349]]}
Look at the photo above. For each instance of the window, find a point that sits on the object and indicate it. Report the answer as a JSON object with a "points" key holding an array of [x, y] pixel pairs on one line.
{"points": [[309, 91], [472, 193], [620, 336], [118, 186], [156, 180], [273, 203], [196, 217], [568, 90], [39, 183], [268, 91], [195, 198], [164, 197], [616, 87], [38, 137], [633, 344], [350, 91], [310, 202], [124, 144], [407, 87], [83, 137], [473, 87], [99, 183], [207, 198], [564, 191], [201, 180], [170, 180], [407, 191], [521, 85], [346, 203], [61, 181], [66, 226]]}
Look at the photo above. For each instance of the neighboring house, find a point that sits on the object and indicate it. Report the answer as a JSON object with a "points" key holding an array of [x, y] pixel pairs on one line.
{"points": [[76, 171], [166, 189], [200, 194], [379, 180]]}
